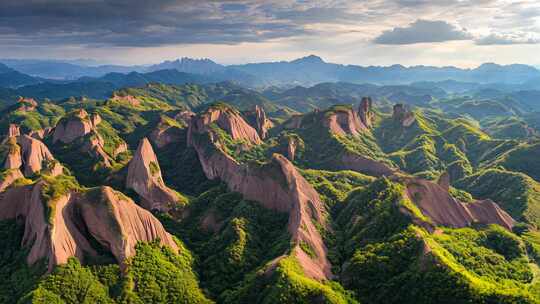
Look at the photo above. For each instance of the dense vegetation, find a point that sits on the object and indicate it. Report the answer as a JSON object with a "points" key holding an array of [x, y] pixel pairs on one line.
{"points": [[382, 247]]}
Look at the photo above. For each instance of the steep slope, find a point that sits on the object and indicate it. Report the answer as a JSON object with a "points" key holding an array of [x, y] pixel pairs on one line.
{"points": [[62, 220], [79, 132], [276, 185], [337, 139], [386, 257], [144, 177]]}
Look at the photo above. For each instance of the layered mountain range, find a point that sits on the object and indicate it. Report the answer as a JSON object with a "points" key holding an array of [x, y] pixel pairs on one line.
{"points": [[215, 193]]}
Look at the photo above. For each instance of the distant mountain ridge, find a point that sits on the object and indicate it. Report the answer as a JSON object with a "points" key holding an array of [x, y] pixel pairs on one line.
{"points": [[309, 70]]}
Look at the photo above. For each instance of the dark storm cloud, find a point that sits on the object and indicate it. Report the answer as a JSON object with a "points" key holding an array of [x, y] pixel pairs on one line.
{"points": [[137, 22], [422, 31]]}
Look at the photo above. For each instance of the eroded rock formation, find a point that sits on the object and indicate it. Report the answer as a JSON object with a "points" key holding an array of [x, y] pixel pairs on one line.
{"points": [[29, 154], [26, 104], [403, 115], [75, 126], [227, 119], [81, 125], [126, 98], [436, 203], [61, 227], [257, 119], [144, 176], [343, 122], [276, 185], [353, 161], [365, 113]]}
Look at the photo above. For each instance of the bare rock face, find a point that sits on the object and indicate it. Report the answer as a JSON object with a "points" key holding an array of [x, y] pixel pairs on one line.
{"points": [[30, 155], [13, 130], [128, 98], [77, 125], [184, 116], [402, 114], [365, 113], [435, 202], [257, 119], [166, 133], [359, 163], [14, 156], [80, 124], [276, 185], [40, 134], [60, 228], [292, 145], [9, 177], [35, 154], [344, 122], [26, 104], [444, 181], [144, 176], [227, 119]]}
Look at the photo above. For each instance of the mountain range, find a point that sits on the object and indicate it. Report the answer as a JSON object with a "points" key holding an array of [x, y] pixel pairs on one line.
{"points": [[217, 193], [304, 71]]}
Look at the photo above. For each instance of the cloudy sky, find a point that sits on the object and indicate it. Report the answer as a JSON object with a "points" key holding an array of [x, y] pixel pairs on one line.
{"points": [[372, 32]]}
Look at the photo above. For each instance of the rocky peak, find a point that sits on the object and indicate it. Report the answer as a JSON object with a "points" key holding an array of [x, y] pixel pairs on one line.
{"points": [[26, 104], [131, 100], [257, 119], [279, 186], [35, 155], [13, 130], [65, 229], [170, 130], [365, 113], [227, 119], [74, 126], [402, 114], [435, 202], [144, 177], [343, 120]]}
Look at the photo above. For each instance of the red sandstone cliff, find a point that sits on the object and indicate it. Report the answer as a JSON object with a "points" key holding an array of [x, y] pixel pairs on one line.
{"points": [[365, 113], [59, 228], [227, 119], [258, 120], [144, 176], [436, 203], [276, 185]]}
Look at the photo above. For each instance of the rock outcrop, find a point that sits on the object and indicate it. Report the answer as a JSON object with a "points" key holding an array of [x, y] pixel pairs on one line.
{"points": [[131, 100], [276, 185], [13, 130], [436, 203], [293, 144], [30, 154], [26, 104], [365, 113], [61, 227], [353, 161], [166, 133], [403, 115], [75, 126], [343, 121], [258, 120], [41, 133], [144, 177], [227, 119], [8, 177], [80, 124]]}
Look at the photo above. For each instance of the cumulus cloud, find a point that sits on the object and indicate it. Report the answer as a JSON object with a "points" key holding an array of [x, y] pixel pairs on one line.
{"points": [[507, 39], [423, 31]]}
